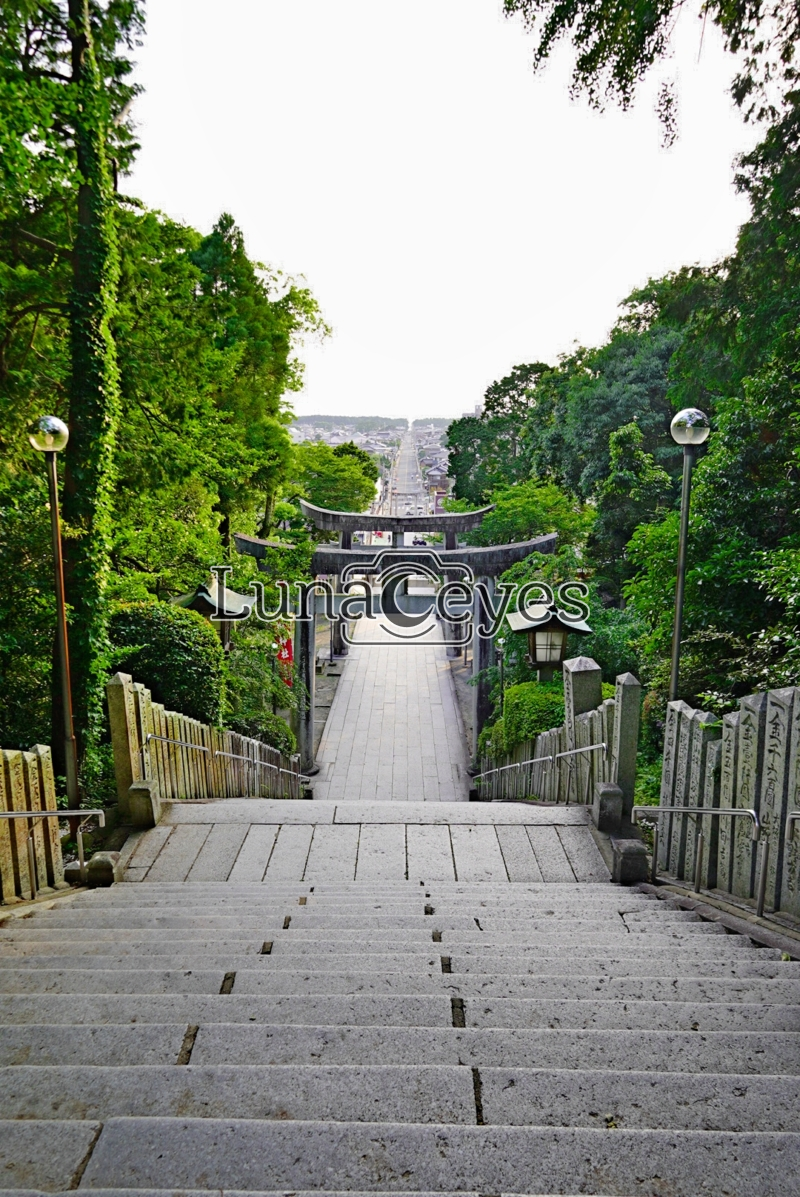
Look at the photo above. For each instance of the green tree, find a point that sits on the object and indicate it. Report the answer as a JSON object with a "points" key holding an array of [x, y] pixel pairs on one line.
{"points": [[532, 509], [64, 90], [617, 44], [634, 493], [366, 461], [330, 480]]}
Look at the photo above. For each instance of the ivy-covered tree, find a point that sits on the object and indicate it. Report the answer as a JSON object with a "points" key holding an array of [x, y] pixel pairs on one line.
{"points": [[63, 135]]}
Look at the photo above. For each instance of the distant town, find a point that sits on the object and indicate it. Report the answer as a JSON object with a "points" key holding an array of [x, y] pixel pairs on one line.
{"points": [[382, 437]]}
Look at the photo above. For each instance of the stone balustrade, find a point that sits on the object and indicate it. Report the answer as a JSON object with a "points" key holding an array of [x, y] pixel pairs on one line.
{"points": [[27, 784], [748, 759], [161, 755], [541, 768]]}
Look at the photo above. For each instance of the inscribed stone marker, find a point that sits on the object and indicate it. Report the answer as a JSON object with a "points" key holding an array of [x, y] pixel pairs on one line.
{"points": [[752, 732]]}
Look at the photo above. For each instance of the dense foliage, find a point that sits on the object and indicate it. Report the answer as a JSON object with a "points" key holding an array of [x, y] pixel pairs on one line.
{"points": [[175, 653], [596, 432], [169, 352]]}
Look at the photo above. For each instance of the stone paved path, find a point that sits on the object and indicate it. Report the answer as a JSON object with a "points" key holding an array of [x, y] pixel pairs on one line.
{"points": [[394, 731], [250, 840]]}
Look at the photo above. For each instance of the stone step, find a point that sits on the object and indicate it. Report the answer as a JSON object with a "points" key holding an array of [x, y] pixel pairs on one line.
{"points": [[230, 1155], [414, 1093], [746, 1052], [613, 925], [147, 1192], [472, 969], [353, 1093], [479, 966], [119, 1045], [643, 1100], [312, 940], [687, 1053], [268, 980], [395, 1010]]}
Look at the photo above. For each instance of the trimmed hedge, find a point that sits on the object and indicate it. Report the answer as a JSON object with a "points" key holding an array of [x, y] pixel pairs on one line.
{"points": [[529, 709], [269, 729], [175, 653]]}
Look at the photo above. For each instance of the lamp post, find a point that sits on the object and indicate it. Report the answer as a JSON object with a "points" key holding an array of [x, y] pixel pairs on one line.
{"points": [[689, 428], [49, 435]]}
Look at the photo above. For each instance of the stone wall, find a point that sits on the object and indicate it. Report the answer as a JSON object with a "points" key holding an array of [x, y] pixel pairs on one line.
{"points": [[161, 755], [749, 758], [27, 784], [588, 721]]}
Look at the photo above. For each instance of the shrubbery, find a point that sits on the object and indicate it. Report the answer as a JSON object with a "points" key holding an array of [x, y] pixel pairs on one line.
{"points": [[528, 710], [269, 729], [175, 653]]}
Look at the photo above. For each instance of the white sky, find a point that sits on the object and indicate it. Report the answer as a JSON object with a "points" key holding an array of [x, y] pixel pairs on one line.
{"points": [[453, 213]]}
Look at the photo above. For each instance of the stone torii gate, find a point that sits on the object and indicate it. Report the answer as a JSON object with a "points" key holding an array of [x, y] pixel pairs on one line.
{"points": [[485, 563]]}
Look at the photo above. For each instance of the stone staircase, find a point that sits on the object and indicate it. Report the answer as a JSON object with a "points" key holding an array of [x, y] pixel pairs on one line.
{"points": [[454, 1037]]}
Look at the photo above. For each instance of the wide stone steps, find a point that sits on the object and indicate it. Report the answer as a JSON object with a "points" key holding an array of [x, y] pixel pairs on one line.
{"points": [[229, 1155], [431, 1039], [267, 980], [417, 1094]]}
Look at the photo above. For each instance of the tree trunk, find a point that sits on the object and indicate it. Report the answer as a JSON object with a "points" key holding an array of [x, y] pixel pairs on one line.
{"points": [[94, 391]]}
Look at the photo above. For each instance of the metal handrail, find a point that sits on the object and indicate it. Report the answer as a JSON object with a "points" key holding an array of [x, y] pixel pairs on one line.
{"points": [[589, 748], [237, 756], [570, 764], [168, 740], [534, 760], [84, 815], [652, 814]]}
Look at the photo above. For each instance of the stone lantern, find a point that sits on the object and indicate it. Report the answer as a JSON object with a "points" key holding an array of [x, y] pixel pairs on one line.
{"points": [[547, 636]]}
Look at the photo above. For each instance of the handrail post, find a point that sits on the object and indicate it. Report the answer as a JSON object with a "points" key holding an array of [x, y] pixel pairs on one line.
{"points": [[654, 861], [700, 841], [762, 879], [32, 865]]}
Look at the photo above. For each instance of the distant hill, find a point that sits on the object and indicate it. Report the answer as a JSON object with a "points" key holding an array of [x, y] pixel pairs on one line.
{"points": [[359, 423], [437, 421]]}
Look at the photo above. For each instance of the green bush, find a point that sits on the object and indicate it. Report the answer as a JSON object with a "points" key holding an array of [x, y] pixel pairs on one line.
{"points": [[175, 653], [269, 729], [528, 710]]}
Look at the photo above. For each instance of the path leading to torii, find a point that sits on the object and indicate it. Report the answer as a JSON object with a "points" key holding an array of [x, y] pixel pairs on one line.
{"points": [[394, 731]]}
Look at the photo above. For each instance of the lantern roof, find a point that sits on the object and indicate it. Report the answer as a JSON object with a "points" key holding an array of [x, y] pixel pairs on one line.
{"points": [[542, 616]]}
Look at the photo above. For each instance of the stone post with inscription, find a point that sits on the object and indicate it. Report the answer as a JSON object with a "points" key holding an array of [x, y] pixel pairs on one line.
{"points": [[752, 732], [625, 742], [774, 798]]}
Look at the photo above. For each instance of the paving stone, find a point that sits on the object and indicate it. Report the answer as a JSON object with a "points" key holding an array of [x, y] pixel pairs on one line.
{"points": [[477, 853], [218, 853], [179, 853], [333, 854], [381, 852], [251, 863], [430, 853], [75, 980]]}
